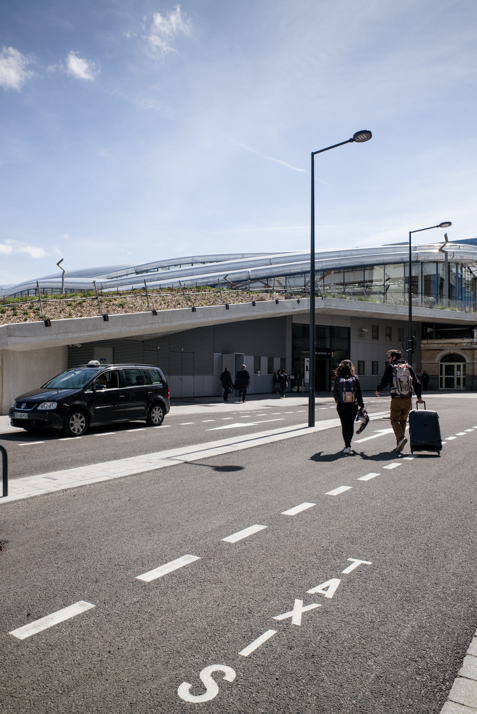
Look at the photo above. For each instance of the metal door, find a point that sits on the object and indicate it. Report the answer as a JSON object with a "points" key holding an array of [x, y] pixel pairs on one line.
{"points": [[181, 374], [452, 375]]}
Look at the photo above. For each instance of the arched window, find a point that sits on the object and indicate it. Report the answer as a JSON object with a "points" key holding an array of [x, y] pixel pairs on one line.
{"points": [[454, 357]]}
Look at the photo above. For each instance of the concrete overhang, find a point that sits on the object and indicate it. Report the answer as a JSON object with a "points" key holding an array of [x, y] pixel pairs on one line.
{"points": [[34, 335]]}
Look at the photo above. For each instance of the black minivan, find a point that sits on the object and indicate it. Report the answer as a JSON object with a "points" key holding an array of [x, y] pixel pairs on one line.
{"points": [[94, 394]]}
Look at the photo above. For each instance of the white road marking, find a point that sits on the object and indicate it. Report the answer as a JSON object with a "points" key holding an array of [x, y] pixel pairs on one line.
{"points": [[297, 611], [211, 686], [70, 438], [242, 423], [460, 433], [245, 533], [274, 413], [474, 427], [289, 412], [186, 423], [469, 430], [337, 491], [392, 466], [368, 477], [264, 421], [256, 643], [304, 410], [450, 438], [411, 458], [106, 433], [297, 509], [167, 568], [60, 616], [355, 562], [381, 432], [142, 428], [323, 408], [327, 589], [31, 443], [206, 420]]}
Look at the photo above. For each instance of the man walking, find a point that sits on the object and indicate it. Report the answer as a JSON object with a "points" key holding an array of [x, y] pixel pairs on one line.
{"points": [[242, 383], [227, 383], [400, 376]]}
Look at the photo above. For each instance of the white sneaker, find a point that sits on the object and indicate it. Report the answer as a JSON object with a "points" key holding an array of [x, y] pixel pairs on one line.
{"points": [[401, 445], [346, 450]]}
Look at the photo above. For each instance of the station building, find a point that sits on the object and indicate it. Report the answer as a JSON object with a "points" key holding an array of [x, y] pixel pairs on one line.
{"points": [[361, 312]]}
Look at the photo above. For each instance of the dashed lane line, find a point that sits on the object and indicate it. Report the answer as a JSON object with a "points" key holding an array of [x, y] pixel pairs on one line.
{"points": [[245, 533], [167, 568], [30, 443], [460, 433], [394, 465], [368, 477], [107, 433], [242, 423], [337, 491], [206, 420], [298, 509], [450, 438], [187, 423], [45, 622]]}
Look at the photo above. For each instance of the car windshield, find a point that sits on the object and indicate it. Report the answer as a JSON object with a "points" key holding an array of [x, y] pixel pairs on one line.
{"points": [[72, 379]]}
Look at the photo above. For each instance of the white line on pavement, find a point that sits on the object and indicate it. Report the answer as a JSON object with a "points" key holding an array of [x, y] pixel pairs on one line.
{"points": [[469, 430], [142, 428], [70, 438], [337, 491], [206, 420], [60, 616], [167, 568], [450, 438], [394, 465], [243, 534], [186, 423], [30, 443], [460, 433], [368, 477], [106, 433], [162, 426], [256, 643], [381, 432], [410, 458], [297, 509]]}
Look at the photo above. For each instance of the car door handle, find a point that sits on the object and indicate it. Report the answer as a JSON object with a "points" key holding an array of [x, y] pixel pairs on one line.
{"points": [[122, 396]]}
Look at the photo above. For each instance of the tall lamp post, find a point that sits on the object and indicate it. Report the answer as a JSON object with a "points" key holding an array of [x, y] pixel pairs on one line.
{"points": [[410, 340], [360, 137]]}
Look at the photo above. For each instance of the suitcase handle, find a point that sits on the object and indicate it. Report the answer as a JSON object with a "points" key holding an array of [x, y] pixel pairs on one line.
{"points": [[417, 405]]}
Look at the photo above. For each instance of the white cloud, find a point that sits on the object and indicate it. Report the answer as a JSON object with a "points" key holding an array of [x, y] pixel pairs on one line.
{"points": [[5, 249], [13, 68], [80, 68], [13, 246], [165, 28]]}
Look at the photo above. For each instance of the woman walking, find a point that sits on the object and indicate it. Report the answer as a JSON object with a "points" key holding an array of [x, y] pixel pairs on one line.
{"points": [[348, 397]]}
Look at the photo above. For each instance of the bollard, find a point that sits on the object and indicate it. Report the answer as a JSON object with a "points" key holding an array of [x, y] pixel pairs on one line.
{"points": [[4, 471]]}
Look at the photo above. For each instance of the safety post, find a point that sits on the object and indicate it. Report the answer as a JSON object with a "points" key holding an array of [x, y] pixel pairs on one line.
{"points": [[3, 451]]}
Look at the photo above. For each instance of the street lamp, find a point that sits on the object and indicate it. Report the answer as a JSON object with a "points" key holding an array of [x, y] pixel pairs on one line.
{"points": [[410, 341], [62, 277], [360, 137]]}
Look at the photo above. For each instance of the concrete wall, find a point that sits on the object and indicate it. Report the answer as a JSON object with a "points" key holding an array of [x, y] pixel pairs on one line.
{"points": [[21, 371]]}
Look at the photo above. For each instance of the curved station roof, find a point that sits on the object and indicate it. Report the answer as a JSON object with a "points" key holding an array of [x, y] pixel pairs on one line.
{"points": [[236, 268]]}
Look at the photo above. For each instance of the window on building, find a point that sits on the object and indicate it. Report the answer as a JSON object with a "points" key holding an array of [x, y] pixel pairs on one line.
{"points": [[270, 369], [375, 332], [374, 367], [400, 334], [282, 362], [256, 365], [388, 333], [361, 367]]}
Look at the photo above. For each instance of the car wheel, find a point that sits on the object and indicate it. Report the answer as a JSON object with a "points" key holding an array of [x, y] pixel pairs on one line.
{"points": [[155, 416], [76, 423]]}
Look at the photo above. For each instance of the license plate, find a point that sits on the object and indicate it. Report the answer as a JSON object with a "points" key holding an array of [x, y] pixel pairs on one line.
{"points": [[20, 415]]}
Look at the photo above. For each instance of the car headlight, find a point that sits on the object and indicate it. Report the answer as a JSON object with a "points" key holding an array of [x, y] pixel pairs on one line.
{"points": [[48, 405]]}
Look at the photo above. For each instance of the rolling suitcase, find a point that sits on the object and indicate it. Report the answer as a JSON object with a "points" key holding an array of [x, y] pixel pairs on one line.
{"points": [[424, 430]]}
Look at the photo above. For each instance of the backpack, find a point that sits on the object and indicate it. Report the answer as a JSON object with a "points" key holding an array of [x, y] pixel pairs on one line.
{"points": [[347, 390], [402, 380]]}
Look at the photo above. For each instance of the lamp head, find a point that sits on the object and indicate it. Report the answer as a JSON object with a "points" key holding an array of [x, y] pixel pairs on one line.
{"points": [[446, 224], [361, 136]]}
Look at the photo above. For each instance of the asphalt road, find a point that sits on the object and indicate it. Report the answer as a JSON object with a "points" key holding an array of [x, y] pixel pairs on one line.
{"points": [[388, 635]]}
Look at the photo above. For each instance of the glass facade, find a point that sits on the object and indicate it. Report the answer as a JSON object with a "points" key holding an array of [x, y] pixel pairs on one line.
{"points": [[332, 346]]}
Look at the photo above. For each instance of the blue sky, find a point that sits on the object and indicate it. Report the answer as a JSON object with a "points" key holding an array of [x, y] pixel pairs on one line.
{"points": [[137, 130]]}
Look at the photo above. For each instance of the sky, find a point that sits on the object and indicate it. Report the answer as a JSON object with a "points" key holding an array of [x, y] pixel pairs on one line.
{"points": [[140, 130]]}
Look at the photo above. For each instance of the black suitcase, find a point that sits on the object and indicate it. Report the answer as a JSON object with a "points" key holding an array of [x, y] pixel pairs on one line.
{"points": [[424, 430]]}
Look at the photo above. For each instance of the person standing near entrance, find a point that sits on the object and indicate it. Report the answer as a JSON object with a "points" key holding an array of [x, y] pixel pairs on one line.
{"points": [[424, 380], [282, 381], [400, 376], [348, 397], [242, 383], [227, 384]]}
